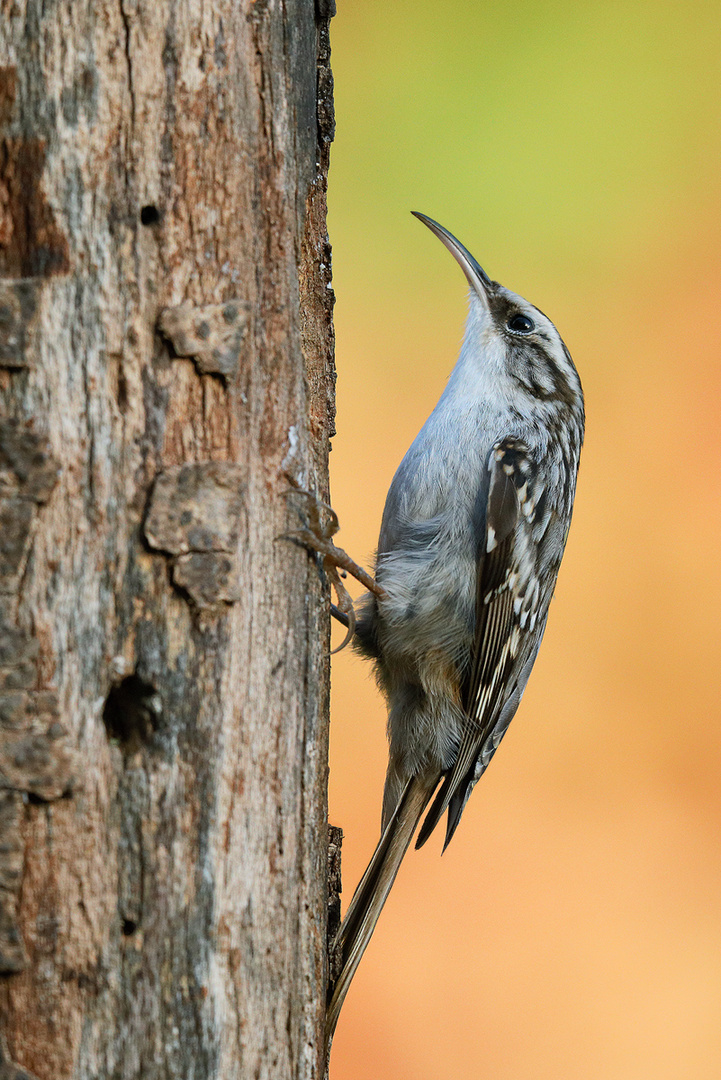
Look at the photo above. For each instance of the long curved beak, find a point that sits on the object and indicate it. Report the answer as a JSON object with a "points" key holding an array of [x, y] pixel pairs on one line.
{"points": [[478, 279]]}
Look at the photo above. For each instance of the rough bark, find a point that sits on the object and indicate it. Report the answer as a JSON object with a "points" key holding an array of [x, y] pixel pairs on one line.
{"points": [[165, 364]]}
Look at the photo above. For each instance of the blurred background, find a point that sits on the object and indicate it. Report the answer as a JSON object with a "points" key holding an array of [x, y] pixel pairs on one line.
{"points": [[573, 927]]}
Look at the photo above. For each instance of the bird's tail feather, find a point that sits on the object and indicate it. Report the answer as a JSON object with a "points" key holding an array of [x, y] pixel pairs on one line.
{"points": [[373, 889]]}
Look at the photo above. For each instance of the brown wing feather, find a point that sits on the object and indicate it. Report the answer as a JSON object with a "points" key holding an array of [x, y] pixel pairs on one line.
{"points": [[498, 650]]}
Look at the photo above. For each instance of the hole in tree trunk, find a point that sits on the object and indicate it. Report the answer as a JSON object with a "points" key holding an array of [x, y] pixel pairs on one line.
{"points": [[149, 215], [132, 712]]}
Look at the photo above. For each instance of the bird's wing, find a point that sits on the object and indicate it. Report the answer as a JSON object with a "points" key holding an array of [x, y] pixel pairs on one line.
{"points": [[507, 609]]}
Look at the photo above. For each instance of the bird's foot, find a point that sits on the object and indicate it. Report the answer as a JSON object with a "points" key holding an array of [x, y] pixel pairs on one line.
{"points": [[320, 524]]}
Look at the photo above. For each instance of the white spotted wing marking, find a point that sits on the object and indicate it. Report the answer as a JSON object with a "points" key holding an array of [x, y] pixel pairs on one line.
{"points": [[508, 597]]}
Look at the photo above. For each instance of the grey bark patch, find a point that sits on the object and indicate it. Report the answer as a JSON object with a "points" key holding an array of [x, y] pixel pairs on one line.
{"points": [[212, 336], [16, 516], [35, 757], [16, 647], [36, 763], [196, 508], [136, 809], [27, 466], [18, 323], [28, 472], [194, 515], [208, 577], [12, 952], [335, 841]]}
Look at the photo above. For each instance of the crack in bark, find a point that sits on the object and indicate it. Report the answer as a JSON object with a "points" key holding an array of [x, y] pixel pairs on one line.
{"points": [[128, 62]]}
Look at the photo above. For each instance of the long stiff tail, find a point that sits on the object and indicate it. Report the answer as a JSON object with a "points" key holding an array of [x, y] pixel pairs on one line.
{"points": [[372, 892]]}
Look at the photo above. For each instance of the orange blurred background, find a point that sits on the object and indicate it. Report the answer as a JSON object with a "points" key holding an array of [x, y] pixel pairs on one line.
{"points": [[573, 928]]}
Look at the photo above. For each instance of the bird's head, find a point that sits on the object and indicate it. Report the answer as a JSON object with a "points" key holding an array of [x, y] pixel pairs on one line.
{"points": [[511, 339]]}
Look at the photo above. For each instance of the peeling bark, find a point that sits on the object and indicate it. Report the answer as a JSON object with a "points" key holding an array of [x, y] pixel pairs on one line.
{"points": [[165, 364]]}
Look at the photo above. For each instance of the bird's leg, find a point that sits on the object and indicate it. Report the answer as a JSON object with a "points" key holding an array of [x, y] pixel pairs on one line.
{"points": [[317, 535], [320, 524]]}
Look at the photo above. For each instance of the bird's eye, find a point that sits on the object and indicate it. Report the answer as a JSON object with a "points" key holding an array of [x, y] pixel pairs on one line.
{"points": [[520, 324]]}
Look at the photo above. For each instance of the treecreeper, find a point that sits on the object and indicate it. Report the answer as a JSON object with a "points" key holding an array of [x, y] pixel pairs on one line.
{"points": [[471, 541]]}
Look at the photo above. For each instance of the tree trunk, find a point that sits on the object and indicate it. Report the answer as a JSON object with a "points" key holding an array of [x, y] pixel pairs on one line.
{"points": [[165, 367]]}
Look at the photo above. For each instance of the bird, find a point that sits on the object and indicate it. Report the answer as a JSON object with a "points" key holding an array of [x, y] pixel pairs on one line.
{"points": [[471, 540]]}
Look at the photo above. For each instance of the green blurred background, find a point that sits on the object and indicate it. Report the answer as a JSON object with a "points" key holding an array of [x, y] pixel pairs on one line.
{"points": [[573, 928]]}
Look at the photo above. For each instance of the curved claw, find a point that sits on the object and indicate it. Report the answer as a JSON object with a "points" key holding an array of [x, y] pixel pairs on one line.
{"points": [[351, 631], [345, 603], [339, 615]]}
